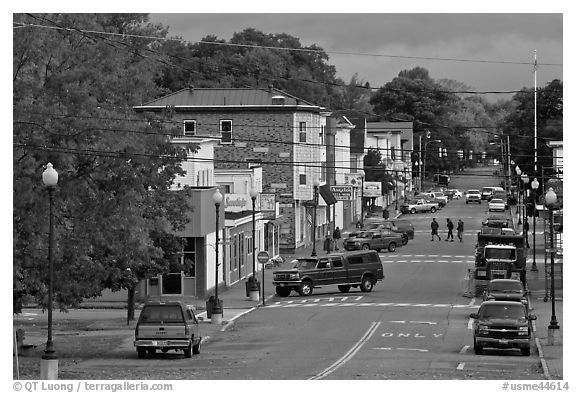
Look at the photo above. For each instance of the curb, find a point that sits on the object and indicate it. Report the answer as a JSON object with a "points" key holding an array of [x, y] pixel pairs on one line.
{"points": [[536, 339]]}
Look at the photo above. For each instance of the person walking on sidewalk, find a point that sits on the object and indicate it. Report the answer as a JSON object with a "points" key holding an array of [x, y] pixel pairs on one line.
{"points": [[336, 236], [460, 229], [450, 226], [434, 226], [328, 244], [385, 214]]}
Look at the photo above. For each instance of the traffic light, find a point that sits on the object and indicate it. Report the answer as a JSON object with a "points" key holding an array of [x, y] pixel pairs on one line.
{"points": [[428, 134]]}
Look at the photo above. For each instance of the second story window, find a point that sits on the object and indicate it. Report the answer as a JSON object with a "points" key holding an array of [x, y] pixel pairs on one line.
{"points": [[302, 179], [225, 131], [189, 127], [302, 131]]}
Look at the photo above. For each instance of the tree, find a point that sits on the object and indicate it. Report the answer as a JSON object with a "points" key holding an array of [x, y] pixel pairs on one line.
{"points": [[73, 95]]}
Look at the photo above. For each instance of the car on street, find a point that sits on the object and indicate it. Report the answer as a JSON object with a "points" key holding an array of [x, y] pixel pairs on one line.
{"points": [[419, 206], [487, 192], [506, 289], [502, 324], [495, 220], [440, 195], [453, 193], [374, 240], [401, 226], [430, 197], [165, 326], [473, 196], [496, 205], [501, 194]]}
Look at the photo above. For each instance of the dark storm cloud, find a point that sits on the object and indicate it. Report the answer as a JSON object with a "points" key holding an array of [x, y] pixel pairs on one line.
{"points": [[369, 38]]}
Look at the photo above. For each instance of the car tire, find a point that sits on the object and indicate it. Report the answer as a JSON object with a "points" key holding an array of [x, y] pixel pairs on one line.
{"points": [[392, 247], [196, 348], [306, 288], [367, 284], [404, 239], [151, 351], [283, 291], [432, 209], [344, 288], [525, 351], [413, 211], [478, 350], [365, 246], [141, 352], [188, 352]]}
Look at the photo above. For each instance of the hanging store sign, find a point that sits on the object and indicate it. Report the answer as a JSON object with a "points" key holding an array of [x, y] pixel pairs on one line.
{"points": [[342, 193]]}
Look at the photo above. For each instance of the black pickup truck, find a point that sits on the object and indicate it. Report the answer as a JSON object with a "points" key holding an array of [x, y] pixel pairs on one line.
{"points": [[346, 269]]}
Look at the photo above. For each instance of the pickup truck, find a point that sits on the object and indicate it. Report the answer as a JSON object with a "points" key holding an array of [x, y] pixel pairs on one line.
{"points": [[345, 269], [167, 326], [378, 239], [418, 205]]}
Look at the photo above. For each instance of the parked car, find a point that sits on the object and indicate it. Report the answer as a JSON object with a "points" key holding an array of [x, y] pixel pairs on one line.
{"points": [[473, 196], [419, 205], [167, 326], [440, 195], [346, 269], [502, 324], [500, 194], [453, 193], [496, 205], [506, 289], [495, 220], [374, 240], [401, 226]]}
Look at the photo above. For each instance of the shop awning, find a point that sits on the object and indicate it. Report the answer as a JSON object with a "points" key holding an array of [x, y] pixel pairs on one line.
{"points": [[327, 195]]}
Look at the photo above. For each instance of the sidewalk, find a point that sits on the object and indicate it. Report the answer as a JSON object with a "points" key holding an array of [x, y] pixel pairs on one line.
{"points": [[550, 355]]}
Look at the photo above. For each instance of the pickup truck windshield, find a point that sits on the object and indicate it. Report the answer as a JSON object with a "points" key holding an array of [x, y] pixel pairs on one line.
{"points": [[161, 313], [506, 287]]}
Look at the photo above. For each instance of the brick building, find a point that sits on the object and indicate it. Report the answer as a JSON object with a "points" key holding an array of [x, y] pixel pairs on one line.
{"points": [[265, 127]]}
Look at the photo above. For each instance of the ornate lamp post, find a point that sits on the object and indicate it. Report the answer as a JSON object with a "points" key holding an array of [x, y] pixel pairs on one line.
{"points": [[252, 284], [424, 164], [49, 363], [535, 186], [525, 215], [518, 207], [217, 308], [553, 327], [316, 184]]}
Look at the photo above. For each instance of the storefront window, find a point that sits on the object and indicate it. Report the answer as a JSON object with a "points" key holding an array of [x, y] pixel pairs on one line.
{"points": [[188, 258]]}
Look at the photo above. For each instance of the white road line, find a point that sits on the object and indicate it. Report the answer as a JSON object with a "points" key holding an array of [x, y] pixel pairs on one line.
{"points": [[464, 348], [359, 298], [400, 349], [472, 301], [470, 324], [460, 366], [350, 353], [423, 322]]}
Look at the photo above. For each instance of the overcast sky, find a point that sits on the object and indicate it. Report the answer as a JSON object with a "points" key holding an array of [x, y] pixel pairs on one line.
{"points": [[373, 42]]}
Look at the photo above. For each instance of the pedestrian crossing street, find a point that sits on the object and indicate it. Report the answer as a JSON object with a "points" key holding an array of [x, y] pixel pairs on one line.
{"points": [[357, 301], [387, 258]]}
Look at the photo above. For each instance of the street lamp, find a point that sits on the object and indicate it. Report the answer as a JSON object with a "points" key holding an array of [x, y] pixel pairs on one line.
{"points": [[518, 184], [217, 308], [525, 216], [316, 184], [535, 186], [553, 327], [49, 363], [252, 284]]}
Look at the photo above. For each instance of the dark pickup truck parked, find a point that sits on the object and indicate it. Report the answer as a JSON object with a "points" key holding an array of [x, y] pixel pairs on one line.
{"points": [[346, 269], [167, 326]]}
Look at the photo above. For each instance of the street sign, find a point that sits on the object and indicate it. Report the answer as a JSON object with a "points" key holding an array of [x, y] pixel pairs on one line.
{"points": [[342, 193], [263, 257]]}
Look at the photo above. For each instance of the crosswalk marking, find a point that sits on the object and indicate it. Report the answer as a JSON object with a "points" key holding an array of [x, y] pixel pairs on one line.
{"points": [[341, 304], [428, 261]]}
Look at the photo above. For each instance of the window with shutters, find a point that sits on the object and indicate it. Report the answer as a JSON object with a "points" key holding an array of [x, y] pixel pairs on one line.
{"points": [[225, 131]]}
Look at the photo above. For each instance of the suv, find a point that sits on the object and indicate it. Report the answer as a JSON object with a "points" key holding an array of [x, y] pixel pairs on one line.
{"points": [[166, 326], [502, 324], [487, 192], [346, 269], [473, 196]]}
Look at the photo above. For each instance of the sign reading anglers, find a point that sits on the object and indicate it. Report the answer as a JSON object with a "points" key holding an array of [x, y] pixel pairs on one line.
{"points": [[342, 193]]}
